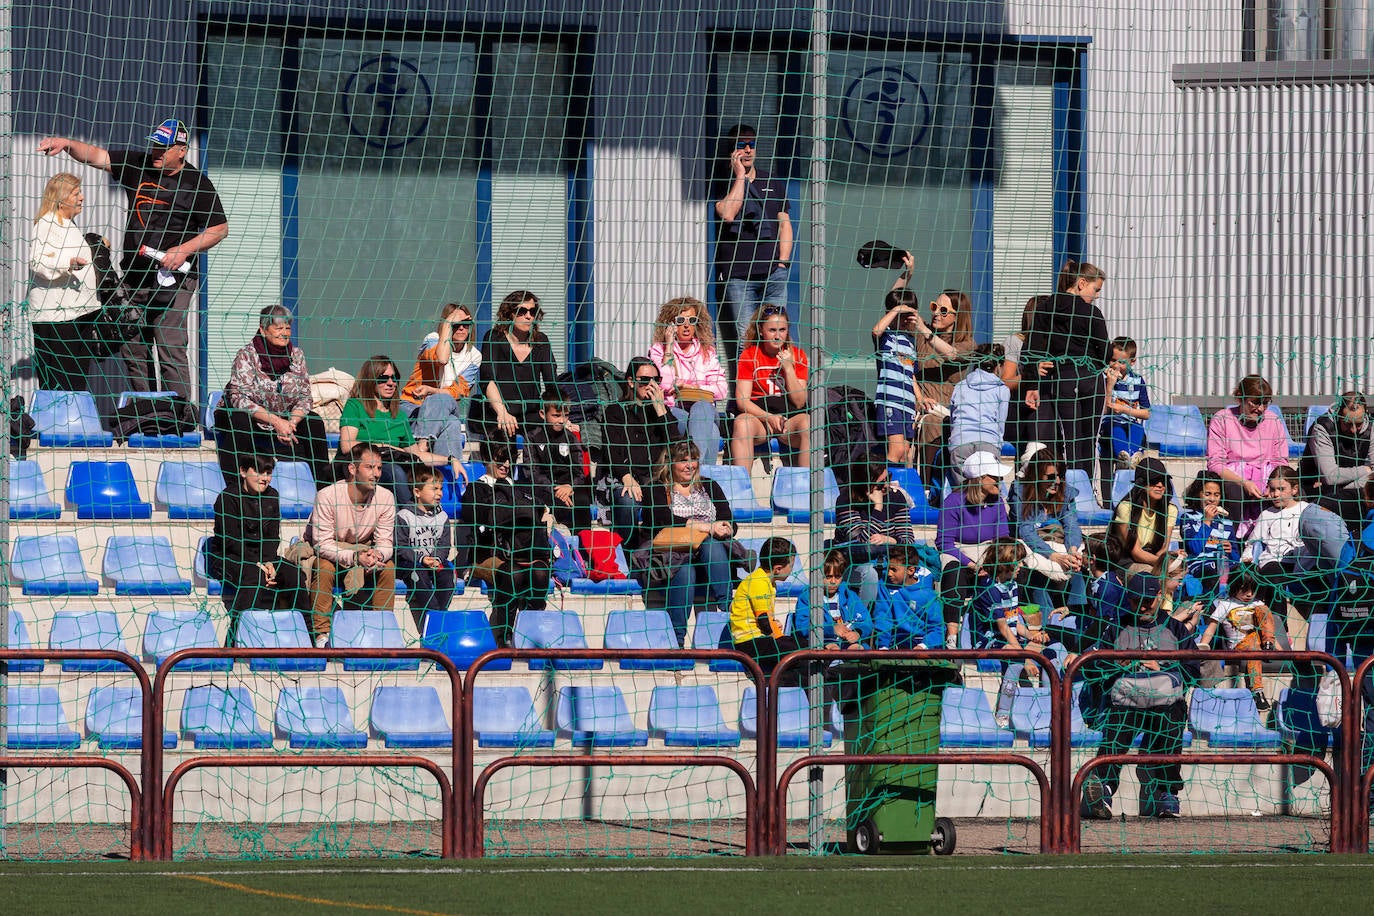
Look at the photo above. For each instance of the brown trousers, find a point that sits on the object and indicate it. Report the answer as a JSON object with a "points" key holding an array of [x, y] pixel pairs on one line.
{"points": [[381, 581]]}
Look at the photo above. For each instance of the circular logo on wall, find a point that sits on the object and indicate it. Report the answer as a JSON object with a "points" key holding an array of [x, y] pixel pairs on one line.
{"points": [[387, 102], [885, 112]]}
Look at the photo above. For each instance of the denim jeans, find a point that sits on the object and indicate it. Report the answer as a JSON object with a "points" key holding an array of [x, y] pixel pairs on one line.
{"points": [[440, 417], [711, 568], [701, 423], [624, 511], [741, 298]]}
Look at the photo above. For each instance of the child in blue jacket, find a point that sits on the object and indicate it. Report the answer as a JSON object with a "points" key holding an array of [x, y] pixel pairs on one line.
{"points": [[1208, 533], [907, 614], [848, 624]]}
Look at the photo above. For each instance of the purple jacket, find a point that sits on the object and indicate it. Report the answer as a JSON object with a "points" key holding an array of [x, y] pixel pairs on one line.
{"points": [[961, 523]]}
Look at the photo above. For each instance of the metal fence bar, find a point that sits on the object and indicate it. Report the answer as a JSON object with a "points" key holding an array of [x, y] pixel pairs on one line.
{"points": [[138, 851]]}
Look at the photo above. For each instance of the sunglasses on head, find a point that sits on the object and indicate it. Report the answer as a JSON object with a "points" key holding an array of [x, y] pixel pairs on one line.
{"points": [[769, 310], [745, 144], [685, 319], [533, 310]]}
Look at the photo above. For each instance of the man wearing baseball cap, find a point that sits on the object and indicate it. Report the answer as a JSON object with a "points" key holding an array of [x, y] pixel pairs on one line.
{"points": [[174, 214]]}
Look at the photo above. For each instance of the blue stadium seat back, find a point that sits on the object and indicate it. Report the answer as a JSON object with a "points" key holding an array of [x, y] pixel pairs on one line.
{"points": [[171, 631], [35, 720], [1122, 482], [451, 496], [216, 718], [689, 717], [1090, 511], [791, 494], [143, 565], [50, 564], [68, 419], [105, 490], [1227, 717], [368, 629], [1177, 430], [1030, 719], [626, 586], [794, 717], [644, 630], [188, 439], [410, 717], [553, 630], [597, 715], [1295, 449], [462, 636], [19, 639], [207, 414], [187, 489], [277, 630], [87, 630], [295, 487], [712, 631], [505, 717], [29, 496], [475, 469], [200, 569], [738, 488], [966, 720], [317, 718], [114, 718], [1080, 735], [795, 585], [1314, 413], [909, 479], [568, 564]]}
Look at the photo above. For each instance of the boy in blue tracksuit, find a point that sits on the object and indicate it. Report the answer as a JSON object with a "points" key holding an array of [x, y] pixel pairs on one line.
{"points": [[907, 614], [847, 621]]}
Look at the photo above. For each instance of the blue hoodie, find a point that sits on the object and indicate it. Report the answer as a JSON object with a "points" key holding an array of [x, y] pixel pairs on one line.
{"points": [[852, 612], [909, 614], [978, 409]]}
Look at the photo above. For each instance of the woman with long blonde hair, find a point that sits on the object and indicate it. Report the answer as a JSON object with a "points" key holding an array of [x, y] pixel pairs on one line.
{"points": [[693, 381]]}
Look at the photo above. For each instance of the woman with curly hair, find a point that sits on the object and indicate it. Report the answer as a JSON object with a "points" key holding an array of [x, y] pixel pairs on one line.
{"points": [[684, 351]]}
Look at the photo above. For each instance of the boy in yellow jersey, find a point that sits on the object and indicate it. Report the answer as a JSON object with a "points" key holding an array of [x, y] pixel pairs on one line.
{"points": [[753, 627]]}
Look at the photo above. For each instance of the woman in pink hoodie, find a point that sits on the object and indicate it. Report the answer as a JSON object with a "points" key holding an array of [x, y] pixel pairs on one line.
{"points": [[684, 351], [1244, 444]]}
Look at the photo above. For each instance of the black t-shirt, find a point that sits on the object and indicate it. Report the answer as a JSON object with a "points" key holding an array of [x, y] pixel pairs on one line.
{"points": [[164, 210], [747, 246]]}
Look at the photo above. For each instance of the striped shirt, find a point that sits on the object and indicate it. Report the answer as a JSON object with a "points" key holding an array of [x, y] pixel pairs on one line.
{"points": [[1131, 389], [896, 372]]}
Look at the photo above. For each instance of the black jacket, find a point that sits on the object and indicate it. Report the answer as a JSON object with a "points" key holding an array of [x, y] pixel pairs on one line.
{"points": [[247, 529], [1068, 332], [635, 439], [657, 511], [505, 520]]}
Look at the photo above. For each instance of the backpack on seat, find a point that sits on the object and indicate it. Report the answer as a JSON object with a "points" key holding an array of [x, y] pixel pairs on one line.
{"points": [[589, 387], [602, 551]]}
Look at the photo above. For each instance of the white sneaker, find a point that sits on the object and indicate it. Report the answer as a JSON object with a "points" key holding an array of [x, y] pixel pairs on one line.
{"points": [[322, 641], [1003, 721]]}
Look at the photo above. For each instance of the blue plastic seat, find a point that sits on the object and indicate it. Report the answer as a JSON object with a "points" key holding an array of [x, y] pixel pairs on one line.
{"points": [[19, 639], [87, 630], [792, 494], [143, 565], [1227, 717], [712, 631], [188, 488], [295, 487], [598, 716], [625, 586], [171, 631], [689, 717], [966, 720], [410, 717], [505, 717], [207, 413], [1177, 430], [1122, 482], [796, 584], [105, 490], [794, 717], [738, 488], [29, 497], [188, 439], [1090, 511], [277, 630], [1314, 413], [314, 718], [114, 718], [553, 630], [200, 569], [909, 479], [1030, 719], [367, 629], [35, 720], [216, 718], [50, 564], [462, 636], [1295, 449], [68, 419], [644, 630]]}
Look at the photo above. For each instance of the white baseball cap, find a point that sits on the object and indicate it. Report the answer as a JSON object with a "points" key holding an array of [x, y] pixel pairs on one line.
{"points": [[983, 464]]}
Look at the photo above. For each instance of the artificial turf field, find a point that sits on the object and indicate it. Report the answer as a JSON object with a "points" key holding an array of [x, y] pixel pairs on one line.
{"points": [[1138, 884]]}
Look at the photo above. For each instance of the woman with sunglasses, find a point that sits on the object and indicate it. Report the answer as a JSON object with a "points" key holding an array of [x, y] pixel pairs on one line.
{"points": [[517, 367], [1045, 514], [770, 391], [373, 415], [684, 351], [1245, 442], [638, 428], [437, 396]]}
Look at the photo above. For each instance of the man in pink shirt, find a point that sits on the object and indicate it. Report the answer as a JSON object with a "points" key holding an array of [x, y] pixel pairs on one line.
{"points": [[351, 528], [1245, 443]]}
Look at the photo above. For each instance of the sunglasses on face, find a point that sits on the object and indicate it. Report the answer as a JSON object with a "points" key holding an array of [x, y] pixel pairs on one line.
{"points": [[941, 310], [533, 311], [648, 379], [384, 379], [463, 325], [680, 320], [745, 144]]}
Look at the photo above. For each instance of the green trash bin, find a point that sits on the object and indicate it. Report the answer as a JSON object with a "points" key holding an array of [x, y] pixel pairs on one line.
{"points": [[895, 710]]}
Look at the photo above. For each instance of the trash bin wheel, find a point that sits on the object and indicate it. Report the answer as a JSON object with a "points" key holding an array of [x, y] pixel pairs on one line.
{"points": [[866, 838], [943, 837]]}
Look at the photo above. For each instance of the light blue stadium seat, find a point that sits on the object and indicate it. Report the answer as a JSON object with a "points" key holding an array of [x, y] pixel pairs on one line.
{"points": [[644, 630], [68, 419], [712, 631], [317, 718], [189, 439], [277, 630], [1314, 413], [689, 717], [50, 564], [1295, 449], [553, 630], [795, 585], [142, 565], [200, 570], [215, 718], [188, 488], [1227, 717], [794, 717], [909, 479], [462, 636], [295, 487], [625, 586], [87, 630], [1177, 430], [1090, 511], [367, 629], [105, 490], [791, 494], [19, 639], [207, 413], [35, 720], [1030, 719], [114, 718], [29, 496], [738, 488], [966, 720], [505, 717], [410, 717], [598, 715], [171, 631], [451, 497]]}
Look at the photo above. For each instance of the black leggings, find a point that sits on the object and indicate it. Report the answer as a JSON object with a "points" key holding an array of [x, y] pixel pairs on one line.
{"points": [[238, 438], [516, 588], [1074, 402]]}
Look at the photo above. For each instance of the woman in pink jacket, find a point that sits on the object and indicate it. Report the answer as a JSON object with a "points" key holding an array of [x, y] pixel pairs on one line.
{"points": [[1244, 444], [684, 351]]}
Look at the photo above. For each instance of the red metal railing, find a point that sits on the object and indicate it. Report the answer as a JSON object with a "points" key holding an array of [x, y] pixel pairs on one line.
{"points": [[1352, 725], [138, 852]]}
